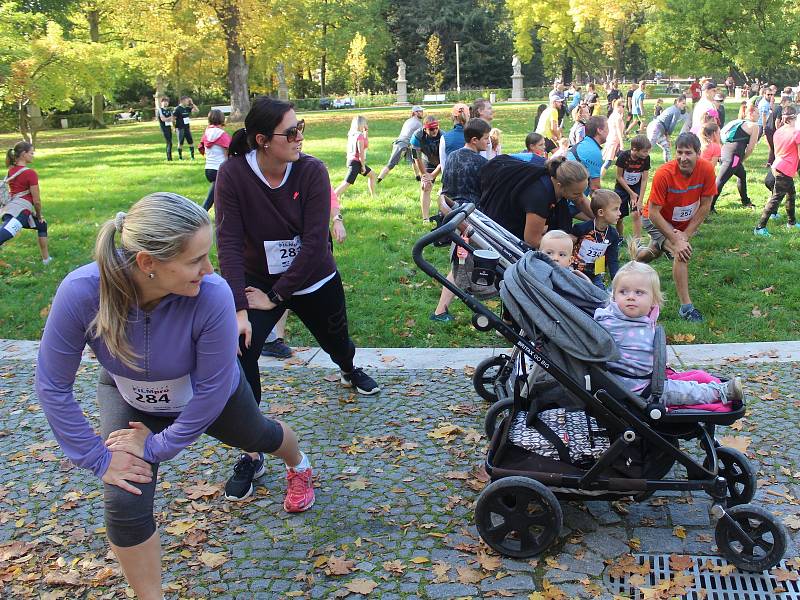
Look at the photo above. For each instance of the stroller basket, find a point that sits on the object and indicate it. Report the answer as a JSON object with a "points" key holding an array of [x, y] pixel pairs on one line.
{"points": [[571, 436]]}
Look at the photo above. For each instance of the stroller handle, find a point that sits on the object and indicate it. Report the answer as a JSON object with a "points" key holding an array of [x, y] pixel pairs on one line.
{"points": [[450, 223]]}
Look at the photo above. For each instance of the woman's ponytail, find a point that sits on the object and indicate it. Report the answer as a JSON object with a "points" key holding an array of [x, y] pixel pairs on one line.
{"points": [[117, 294], [239, 145]]}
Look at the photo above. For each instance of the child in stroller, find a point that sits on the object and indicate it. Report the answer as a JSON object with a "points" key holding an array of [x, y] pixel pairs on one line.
{"points": [[630, 318]]}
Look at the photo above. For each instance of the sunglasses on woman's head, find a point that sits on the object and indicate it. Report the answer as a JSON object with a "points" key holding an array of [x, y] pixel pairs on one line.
{"points": [[291, 133]]}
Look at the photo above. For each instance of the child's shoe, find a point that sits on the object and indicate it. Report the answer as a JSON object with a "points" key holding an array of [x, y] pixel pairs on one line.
{"points": [[734, 393], [762, 231]]}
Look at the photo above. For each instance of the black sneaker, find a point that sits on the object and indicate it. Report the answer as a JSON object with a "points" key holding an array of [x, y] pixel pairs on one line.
{"points": [[363, 383], [240, 485], [276, 349], [693, 315]]}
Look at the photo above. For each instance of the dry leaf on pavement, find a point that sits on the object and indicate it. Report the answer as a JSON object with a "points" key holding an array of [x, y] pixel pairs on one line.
{"points": [[361, 586]]}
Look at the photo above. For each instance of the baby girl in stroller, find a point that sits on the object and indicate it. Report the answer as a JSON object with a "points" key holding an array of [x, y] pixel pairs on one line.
{"points": [[631, 318]]}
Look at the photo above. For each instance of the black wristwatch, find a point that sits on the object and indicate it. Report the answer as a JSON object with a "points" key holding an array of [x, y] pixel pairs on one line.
{"points": [[274, 297]]}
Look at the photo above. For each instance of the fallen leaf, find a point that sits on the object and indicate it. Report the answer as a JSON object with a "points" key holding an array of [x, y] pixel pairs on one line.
{"points": [[489, 563], [440, 570], [200, 490], [213, 559], [680, 562], [179, 528], [738, 442], [394, 566], [420, 560], [468, 575], [679, 532], [357, 484], [361, 586], [637, 580], [792, 521], [784, 575], [339, 566]]}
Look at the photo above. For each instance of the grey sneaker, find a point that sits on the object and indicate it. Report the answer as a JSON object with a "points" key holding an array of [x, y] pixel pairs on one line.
{"points": [[693, 315]]}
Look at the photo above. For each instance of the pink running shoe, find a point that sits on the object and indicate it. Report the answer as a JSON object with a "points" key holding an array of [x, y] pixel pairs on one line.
{"points": [[299, 491]]}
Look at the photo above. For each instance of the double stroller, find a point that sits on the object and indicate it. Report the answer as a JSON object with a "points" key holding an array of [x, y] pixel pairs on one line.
{"points": [[562, 427]]}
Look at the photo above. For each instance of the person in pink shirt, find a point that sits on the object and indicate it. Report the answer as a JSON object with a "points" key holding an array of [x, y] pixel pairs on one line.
{"points": [[214, 146], [784, 167], [357, 144], [710, 148]]}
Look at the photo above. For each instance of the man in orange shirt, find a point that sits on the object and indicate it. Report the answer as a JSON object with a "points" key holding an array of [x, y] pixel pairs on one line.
{"points": [[678, 204]]}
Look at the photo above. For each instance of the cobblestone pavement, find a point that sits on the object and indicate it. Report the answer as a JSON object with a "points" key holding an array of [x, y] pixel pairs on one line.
{"points": [[396, 485]]}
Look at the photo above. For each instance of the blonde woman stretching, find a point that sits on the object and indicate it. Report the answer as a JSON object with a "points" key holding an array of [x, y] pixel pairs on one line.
{"points": [[163, 328]]}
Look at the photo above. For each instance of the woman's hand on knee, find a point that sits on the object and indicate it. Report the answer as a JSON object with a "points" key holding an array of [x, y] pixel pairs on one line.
{"points": [[129, 440], [125, 468]]}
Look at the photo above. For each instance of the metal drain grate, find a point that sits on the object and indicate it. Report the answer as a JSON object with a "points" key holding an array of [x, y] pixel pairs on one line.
{"points": [[738, 585]]}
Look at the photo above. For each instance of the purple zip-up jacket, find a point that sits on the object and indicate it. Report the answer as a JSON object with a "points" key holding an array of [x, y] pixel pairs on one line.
{"points": [[182, 335]]}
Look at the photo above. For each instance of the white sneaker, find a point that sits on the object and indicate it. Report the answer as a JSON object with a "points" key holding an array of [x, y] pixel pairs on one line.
{"points": [[47, 261]]}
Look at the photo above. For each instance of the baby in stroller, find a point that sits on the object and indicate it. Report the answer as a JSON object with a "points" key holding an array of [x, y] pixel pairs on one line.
{"points": [[630, 318]]}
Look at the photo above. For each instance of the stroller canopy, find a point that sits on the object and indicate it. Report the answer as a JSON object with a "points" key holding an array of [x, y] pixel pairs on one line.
{"points": [[547, 299]]}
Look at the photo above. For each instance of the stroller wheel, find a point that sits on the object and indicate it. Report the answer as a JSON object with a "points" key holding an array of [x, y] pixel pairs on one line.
{"points": [[735, 467], [495, 410], [518, 516], [486, 373], [751, 538]]}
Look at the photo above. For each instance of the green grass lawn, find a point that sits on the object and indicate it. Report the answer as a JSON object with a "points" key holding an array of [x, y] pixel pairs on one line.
{"points": [[747, 287]]}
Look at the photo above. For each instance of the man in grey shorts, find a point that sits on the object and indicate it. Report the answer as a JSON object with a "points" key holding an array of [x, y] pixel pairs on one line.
{"points": [[402, 145]]}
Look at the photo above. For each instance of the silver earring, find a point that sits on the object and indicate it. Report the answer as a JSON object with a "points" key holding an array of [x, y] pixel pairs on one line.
{"points": [[151, 275]]}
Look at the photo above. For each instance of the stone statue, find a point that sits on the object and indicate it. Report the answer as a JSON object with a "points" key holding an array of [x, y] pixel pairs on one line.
{"points": [[401, 70], [517, 65]]}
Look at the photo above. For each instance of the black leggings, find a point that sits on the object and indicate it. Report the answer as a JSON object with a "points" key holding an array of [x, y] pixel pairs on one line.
{"points": [[11, 226], [784, 186], [184, 133], [733, 154], [323, 312], [211, 175], [167, 133], [129, 518]]}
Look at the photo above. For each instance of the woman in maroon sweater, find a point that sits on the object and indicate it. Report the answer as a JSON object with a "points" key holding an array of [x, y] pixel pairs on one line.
{"points": [[272, 212]]}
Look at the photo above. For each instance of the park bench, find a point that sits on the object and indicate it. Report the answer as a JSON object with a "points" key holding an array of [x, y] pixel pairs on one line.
{"points": [[433, 98], [226, 110], [126, 117]]}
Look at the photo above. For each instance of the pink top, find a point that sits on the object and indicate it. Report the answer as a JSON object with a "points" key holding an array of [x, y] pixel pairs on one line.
{"points": [[353, 152], [712, 152], [785, 142]]}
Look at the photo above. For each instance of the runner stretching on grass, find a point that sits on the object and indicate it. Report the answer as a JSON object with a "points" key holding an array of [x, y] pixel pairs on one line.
{"points": [[23, 210], [163, 328]]}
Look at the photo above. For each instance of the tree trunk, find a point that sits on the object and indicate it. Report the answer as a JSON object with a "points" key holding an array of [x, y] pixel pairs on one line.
{"points": [[566, 70], [98, 103], [24, 124], [229, 17], [237, 83]]}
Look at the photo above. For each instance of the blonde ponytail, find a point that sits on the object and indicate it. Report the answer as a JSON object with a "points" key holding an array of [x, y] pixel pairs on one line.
{"points": [[159, 224]]}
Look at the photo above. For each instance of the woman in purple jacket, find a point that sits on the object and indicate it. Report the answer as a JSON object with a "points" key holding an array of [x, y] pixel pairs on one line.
{"points": [[163, 328]]}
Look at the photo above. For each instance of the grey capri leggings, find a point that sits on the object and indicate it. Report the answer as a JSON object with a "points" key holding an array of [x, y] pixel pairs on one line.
{"points": [[129, 518]]}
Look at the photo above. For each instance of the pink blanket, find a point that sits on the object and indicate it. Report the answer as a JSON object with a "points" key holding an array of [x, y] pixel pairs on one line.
{"points": [[700, 377]]}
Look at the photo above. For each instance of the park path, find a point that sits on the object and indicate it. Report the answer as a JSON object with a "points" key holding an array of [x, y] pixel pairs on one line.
{"points": [[397, 476]]}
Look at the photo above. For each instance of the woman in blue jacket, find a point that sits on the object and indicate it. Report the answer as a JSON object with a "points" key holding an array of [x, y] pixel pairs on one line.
{"points": [[163, 328]]}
